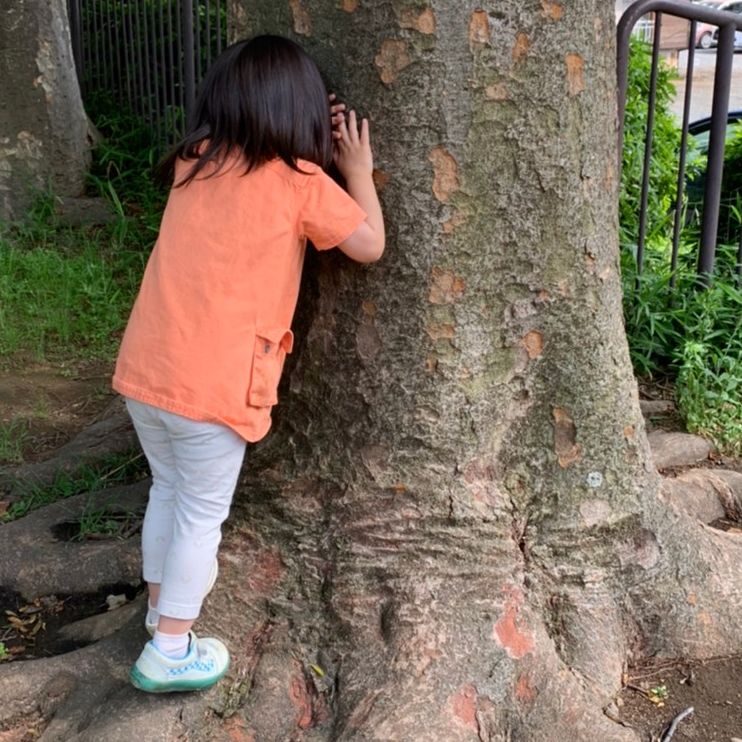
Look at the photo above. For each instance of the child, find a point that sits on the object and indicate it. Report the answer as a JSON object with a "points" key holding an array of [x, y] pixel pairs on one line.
{"points": [[202, 354]]}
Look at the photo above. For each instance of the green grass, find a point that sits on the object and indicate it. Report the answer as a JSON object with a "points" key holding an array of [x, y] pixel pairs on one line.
{"points": [[108, 472], [68, 290], [103, 523], [13, 435]]}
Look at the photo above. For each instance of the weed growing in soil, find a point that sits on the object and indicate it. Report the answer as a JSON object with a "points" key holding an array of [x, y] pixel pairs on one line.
{"points": [[12, 437], [110, 471]]}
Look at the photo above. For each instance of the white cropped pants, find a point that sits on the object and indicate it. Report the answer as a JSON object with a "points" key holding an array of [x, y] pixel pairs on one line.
{"points": [[195, 466]]}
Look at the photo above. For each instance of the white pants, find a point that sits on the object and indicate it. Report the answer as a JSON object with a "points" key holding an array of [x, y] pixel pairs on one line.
{"points": [[195, 466]]}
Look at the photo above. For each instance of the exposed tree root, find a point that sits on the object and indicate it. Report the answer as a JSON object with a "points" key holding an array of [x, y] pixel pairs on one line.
{"points": [[34, 562]]}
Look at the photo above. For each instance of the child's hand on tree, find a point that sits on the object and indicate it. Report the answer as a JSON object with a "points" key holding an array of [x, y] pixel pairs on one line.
{"points": [[352, 151]]}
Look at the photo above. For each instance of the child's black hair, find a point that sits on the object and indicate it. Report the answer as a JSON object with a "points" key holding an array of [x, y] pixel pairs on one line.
{"points": [[264, 98]]}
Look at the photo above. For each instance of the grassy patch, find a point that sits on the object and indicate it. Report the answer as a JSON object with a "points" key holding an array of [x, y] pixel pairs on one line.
{"points": [[108, 472], [68, 290], [75, 292], [12, 437]]}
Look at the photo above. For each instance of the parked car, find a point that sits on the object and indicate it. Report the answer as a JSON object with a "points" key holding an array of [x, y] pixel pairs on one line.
{"points": [[731, 190], [705, 31], [731, 6]]}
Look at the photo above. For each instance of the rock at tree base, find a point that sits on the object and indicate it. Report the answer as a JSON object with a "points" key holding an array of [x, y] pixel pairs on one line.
{"points": [[677, 449]]}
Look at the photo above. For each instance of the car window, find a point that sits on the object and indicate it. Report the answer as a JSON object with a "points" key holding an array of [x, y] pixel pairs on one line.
{"points": [[733, 8]]}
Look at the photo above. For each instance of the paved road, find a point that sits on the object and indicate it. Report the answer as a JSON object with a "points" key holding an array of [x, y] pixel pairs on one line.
{"points": [[703, 84]]}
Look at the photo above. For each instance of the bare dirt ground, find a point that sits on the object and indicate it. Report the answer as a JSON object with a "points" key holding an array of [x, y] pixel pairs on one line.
{"points": [[53, 402]]}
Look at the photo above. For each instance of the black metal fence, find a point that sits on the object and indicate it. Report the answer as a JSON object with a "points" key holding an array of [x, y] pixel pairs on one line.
{"points": [[728, 25], [148, 54]]}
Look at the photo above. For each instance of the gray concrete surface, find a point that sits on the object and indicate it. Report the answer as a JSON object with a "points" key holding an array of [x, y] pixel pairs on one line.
{"points": [[703, 84]]}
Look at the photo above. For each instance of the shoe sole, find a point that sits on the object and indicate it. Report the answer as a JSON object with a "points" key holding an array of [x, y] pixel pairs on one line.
{"points": [[148, 685]]}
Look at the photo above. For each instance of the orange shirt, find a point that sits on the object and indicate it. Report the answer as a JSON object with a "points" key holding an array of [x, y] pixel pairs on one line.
{"points": [[209, 331]]}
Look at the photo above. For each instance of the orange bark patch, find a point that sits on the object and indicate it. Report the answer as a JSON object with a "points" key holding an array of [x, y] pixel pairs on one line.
{"points": [[692, 598], [522, 45], [446, 287], [516, 642], [301, 699], [464, 706], [369, 308], [628, 432], [302, 21], [349, 6], [431, 364], [479, 29], [575, 73], [266, 573], [445, 173], [423, 22], [441, 331], [533, 342], [496, 91], [449, 226], [237, 730], [524, 691], [392, 58], [552, 10], [565, 434], [380, 179]]}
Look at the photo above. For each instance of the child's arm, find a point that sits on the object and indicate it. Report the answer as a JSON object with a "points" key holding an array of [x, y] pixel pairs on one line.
{"points": [[355, 162]]}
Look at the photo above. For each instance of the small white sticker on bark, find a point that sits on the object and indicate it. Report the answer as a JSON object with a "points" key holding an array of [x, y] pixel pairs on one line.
{"points": [[594, 479]]}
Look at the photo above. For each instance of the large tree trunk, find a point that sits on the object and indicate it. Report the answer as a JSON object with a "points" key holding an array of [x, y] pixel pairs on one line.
{"points": [[455, 530], [43, 128]]}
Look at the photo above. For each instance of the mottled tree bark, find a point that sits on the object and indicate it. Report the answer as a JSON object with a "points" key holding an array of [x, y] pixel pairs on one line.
{"points": [[43, 128], [455, 530]]}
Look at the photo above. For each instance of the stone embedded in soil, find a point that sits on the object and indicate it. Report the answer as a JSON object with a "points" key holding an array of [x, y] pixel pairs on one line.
{"points": [[84, 212], [651, 407], [733, 479], [677, 449], [701, 494]]}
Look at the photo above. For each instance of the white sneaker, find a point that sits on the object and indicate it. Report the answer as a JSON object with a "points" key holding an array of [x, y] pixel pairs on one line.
{"points": [[206, 662], [152, 627]]}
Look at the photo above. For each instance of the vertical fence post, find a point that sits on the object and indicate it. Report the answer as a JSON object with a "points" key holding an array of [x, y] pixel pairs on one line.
{"points": [[189, 70], [680, 187], [717, 136]]}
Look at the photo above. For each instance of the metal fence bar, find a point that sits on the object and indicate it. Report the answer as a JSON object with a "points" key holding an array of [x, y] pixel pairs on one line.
{"points": [[717, 136], [727, 24], [683, 152], [648, 138], [148, 54], [208, 32], [76, 36], [189, 68], [173, 99]]}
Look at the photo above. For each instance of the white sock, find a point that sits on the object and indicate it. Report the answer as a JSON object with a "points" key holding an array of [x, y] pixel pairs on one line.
{"points": [[153, 615], [174, 646]]}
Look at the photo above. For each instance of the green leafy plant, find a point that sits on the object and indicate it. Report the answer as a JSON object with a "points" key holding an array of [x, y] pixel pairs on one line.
{"points": [[683, 332], [666, 143]]}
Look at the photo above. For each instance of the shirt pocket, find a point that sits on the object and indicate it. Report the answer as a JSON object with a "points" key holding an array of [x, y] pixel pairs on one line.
{"points": [[271, 347]]}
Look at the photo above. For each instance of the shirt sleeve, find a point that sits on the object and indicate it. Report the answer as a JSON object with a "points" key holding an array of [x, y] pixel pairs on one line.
{"points": [[328, 214]]}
